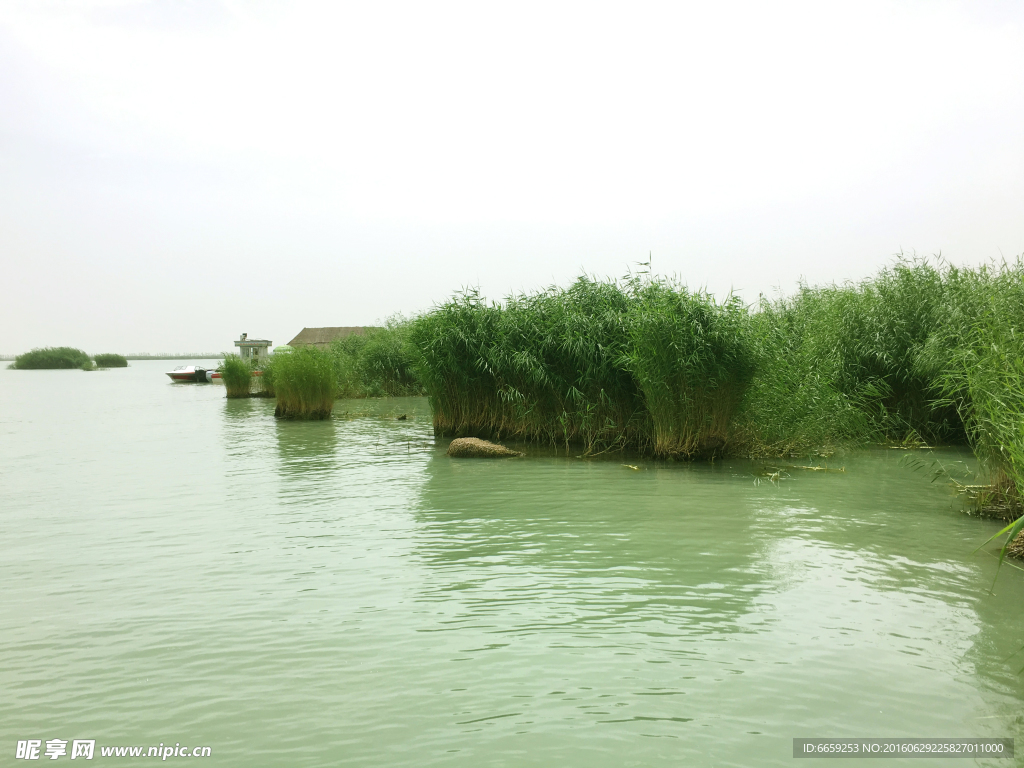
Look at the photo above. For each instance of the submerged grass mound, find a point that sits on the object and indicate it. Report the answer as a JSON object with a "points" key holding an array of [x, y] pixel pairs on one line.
{"points": [[474, 447], [50, 357], [236, 373], [306, 384], [607, 365], [111, 360]]}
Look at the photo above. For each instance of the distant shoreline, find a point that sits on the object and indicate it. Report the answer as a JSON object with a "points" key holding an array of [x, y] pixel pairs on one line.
{"points": [[161, 356], [190, 356]]}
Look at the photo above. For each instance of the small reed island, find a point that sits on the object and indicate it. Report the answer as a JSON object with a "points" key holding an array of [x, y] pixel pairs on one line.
{"points": [[922, 354], [50, 358]]}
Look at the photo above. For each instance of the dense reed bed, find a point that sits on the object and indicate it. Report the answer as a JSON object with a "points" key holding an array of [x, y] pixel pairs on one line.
{"points": [[922, 353], [262, 384], [50, 357], [692, 360], [111, 360], [306, 384], [236, 373], [379, 363], [978, 363], [607, 365]]}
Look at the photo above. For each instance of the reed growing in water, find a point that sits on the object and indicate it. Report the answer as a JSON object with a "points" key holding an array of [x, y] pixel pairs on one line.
{"points": [[306, 384], [263, 376], [923, 352], [379, 363], [631, 364], [867, 362], [50, 357], [979, 363], [111, 360], [546, 367], [236, 373], [692, 360], [651, 366]]}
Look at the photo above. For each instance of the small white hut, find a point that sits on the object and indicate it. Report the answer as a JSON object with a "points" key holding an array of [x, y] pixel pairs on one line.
{"points": [[253, 349]]}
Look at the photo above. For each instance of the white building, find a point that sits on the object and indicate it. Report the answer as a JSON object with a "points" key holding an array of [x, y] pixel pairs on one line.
{"points": [[253, 348]]}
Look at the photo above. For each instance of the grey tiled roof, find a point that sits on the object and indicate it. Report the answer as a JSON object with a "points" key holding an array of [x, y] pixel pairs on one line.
{"points": [[322, 337]]}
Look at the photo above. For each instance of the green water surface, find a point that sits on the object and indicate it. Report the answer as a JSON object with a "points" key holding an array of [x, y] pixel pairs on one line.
{"points": [[176, 567]]}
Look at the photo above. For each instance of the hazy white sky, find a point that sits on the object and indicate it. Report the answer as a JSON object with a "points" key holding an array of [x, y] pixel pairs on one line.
{"points": [[174, 173]]}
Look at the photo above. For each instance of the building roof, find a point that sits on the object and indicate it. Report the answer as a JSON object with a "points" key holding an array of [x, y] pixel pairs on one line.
{"points": [[322, 337]]}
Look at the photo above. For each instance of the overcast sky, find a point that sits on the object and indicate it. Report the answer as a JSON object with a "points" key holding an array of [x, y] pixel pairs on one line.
{"points": [[174, 173]]}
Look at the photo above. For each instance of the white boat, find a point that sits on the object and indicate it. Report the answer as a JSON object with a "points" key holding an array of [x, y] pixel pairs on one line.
{"points": [[193, 373]]}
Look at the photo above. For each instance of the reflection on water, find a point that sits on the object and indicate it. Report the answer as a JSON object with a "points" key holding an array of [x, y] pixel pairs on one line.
{"points": [[526, 531], [643, 598], [181, 567], [306, 447]]}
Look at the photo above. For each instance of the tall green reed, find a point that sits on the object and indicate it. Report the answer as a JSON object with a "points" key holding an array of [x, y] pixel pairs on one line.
{"points": [[692, 359], [263, 375], [306, 384], [236, 373], [979, 361], [584, 365], [378, 363]]}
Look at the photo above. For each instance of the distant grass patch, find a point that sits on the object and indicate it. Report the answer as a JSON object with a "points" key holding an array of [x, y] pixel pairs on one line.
{"points": [[50, 357], [111, 360]]}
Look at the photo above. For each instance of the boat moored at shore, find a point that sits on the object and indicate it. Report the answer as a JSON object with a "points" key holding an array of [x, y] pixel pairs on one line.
{"points": [[193, 373]]}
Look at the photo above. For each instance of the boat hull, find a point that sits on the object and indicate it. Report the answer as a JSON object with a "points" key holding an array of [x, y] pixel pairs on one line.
{"points": [[190, 373]]}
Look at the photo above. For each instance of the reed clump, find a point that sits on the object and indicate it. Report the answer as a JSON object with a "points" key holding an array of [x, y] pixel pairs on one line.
{"points": [[263, 376], [379, 363], [607, 365], [922, 353], [979, 365], [236, 373], [111, 360], [871, 361], [692, 360], [306, 384], [50, 357]]}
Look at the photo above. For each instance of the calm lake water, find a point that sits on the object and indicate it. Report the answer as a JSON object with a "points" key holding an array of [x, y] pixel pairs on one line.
{"points": [[176, 567]]}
